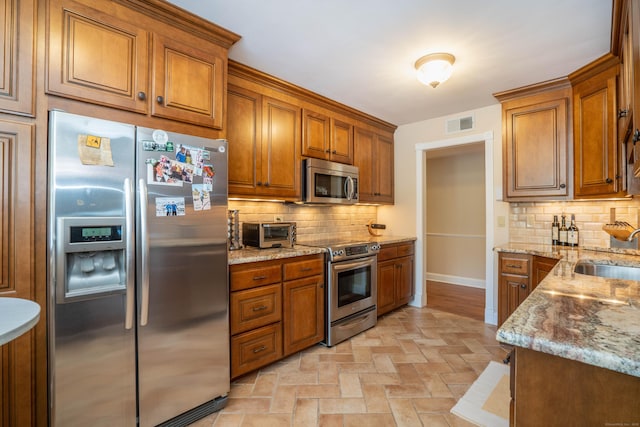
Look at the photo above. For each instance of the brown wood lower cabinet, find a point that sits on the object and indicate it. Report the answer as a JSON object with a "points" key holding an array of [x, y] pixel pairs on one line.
{"points": [[276, 309], [519, 276], [548, 390], [395, 276]]}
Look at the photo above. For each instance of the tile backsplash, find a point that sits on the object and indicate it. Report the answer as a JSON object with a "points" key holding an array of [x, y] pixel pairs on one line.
{"points": [[530, 222], [313, 222]]}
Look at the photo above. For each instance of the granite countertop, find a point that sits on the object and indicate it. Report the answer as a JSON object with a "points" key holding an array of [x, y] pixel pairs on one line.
{"points": [[249, 254], [590, 319]]}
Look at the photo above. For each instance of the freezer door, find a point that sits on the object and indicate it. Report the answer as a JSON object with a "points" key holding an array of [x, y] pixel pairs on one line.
{"points": [[183, 331], [91, 273]]}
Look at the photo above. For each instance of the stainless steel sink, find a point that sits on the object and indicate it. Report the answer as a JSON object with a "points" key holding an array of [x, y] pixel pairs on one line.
{"points": [[621, 272]]}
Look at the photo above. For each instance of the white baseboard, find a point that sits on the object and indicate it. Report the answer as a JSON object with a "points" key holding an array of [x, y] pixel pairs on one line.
{"points": [[456, 280]]}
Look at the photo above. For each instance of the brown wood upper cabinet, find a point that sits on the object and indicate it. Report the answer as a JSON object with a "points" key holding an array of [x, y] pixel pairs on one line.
{"points": [[326, 137], [536, 134], [264, 139], [598, 160], [18, 56], [373, 154], [118, 57]]}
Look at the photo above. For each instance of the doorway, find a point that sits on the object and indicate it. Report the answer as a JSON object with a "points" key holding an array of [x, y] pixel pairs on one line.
{"points": [[455, 229], [486, 139]]}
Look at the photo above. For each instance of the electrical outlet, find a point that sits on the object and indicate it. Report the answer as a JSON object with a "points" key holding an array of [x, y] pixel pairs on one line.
{"points": [[531, 219], [501, 221]]}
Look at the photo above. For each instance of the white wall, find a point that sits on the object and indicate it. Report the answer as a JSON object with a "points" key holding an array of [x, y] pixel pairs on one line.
{"points": [[401, 217]]}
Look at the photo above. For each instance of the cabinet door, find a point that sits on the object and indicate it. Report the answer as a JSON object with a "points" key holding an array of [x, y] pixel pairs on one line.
{"points": [[341, 141], [363, 141], [303, 318], [244, 126], [17, 374], [541, 267], [373, 154], [315, 135], [18, 60], [386, 286], [279, 175], [596, 168], [512, 291], [188, 78], [384, 177], [97, 56], [535, 148], [404, 280]]}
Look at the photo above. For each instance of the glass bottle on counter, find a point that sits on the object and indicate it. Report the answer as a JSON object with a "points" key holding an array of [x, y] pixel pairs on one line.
{"points": [[563, 233], [572, 232], [555, 230]]}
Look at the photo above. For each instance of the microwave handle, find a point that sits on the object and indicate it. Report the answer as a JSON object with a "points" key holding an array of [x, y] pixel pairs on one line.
{"points": [[349, 188]]}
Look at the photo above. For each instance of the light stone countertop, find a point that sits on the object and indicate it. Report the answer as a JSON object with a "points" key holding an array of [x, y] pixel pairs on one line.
{"points": [[589, 319], [17, 316], [249, 254]]}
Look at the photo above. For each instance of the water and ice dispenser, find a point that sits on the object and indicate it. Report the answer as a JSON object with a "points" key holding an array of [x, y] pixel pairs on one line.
{"points": [[90, 257]]}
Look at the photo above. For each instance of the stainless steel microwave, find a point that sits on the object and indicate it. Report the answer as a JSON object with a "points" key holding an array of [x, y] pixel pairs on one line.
{"points": [[327, 182], [269, 234]]}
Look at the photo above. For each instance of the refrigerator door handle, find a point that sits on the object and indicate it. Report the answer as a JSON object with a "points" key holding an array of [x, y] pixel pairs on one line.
{"points": [[129, 254], [144, 252]]}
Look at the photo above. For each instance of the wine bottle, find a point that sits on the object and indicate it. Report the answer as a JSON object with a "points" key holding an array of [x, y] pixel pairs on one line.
{"points": [[572, 232], [555, 230], [562, 233]]}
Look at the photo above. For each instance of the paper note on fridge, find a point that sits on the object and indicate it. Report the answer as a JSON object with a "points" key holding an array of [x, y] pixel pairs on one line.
{"points": [[94, 150]]}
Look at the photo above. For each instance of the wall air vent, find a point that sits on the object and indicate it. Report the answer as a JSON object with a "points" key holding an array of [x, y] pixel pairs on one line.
{"points": [[460, 124]]}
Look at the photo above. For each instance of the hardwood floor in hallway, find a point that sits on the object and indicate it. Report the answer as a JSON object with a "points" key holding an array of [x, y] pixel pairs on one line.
{"points": [[409, 370], [463, 300]]}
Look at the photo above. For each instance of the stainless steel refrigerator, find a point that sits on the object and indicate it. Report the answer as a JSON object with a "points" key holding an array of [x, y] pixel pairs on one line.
{"points": [[138, 294]]}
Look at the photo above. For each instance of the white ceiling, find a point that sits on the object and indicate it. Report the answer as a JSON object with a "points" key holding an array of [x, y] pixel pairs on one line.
{"points": [[361, 52]]}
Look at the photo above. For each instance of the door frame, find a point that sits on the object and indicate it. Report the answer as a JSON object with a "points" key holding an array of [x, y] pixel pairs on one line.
{"points": [[420, 299]]}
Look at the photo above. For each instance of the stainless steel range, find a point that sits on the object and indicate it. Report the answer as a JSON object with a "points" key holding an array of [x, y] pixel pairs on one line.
{"points": [[351, 271]]}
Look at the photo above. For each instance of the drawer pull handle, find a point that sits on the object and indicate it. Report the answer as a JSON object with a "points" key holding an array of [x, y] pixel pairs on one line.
{"points": [[306, 269], [259, 349], [514, 266], [262, 307], [259, 277]]}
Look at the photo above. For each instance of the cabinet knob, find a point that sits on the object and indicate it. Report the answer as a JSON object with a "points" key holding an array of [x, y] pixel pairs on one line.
{"points": [[636, 136], [327, 151], [563, 185], [160, 99], [622, 113], [608, 180], [266, 184], [142, 96], [523, 285], [259, 183], [334, 152]]}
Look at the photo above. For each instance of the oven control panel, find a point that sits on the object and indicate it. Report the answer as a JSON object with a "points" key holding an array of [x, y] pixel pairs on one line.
{"points": [[354, 251]]}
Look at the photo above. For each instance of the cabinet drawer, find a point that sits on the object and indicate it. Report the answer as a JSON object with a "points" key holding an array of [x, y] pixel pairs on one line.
{"points": [[258, 276], [514, 265], [300, 269], [255, 349], [387, 253], [253, 308], [404, 250]]}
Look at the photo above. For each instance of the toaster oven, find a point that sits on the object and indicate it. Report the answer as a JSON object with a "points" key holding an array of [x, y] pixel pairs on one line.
{"points": [[269, 234]]}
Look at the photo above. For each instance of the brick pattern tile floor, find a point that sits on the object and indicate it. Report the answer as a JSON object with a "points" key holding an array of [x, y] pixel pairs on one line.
{"points": [[409, 370]]}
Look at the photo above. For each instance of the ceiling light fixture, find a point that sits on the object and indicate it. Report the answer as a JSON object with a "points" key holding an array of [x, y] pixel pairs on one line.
{"points": [[435, 68]]}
